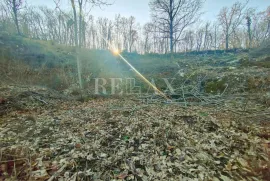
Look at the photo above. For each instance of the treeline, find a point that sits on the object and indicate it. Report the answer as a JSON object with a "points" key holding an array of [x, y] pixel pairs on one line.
{"points": [[175, 26]]}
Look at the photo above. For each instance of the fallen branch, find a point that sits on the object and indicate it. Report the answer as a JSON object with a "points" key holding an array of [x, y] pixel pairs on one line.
{"points": [[40, 100]]}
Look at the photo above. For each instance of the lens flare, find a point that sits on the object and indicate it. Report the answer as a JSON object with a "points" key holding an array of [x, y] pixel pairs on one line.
{"points": [[116, 51], [143, 78]]}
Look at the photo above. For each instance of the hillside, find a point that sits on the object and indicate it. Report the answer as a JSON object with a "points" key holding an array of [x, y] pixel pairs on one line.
{"points": [[46, 63], [214, 125]]}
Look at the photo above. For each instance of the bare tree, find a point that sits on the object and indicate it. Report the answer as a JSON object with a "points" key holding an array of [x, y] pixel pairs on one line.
{"points": [[215, 27], [260, 27], [206, 36], [172, 17], [147, 29], [231, 18], [102, 26], [199, 39], [268, 22], [110, 30], [124, 32], [4, 18], [248, 18], [117, 25], [132, 32], [15, 6], [78, 44], [189, 40]]}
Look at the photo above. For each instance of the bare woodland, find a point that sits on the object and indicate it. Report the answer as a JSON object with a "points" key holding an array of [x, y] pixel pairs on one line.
{"points": [[179, 98], [172, 28]]}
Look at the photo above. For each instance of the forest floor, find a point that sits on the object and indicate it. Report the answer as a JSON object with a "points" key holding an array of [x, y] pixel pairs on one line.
{"points": [[217, 129], [47, 136]]}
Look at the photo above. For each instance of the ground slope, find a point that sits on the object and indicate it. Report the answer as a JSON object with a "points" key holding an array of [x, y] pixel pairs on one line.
{"points": [[44, 137]]}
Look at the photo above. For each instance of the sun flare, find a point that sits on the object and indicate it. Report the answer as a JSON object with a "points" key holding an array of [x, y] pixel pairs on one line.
{"points": [[116, 51]]}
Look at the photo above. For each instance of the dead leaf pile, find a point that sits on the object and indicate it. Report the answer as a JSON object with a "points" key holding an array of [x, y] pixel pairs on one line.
{"points": [[117, 139]]}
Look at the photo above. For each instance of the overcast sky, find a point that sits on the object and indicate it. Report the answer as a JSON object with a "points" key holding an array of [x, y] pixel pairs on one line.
{"points": [[140, 9]]}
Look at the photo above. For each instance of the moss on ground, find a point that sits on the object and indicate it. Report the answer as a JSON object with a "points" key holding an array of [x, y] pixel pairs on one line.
{"points": [[215, 86]]}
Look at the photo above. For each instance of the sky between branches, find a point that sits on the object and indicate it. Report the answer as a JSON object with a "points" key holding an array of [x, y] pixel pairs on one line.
{"points": [[141, 11]]}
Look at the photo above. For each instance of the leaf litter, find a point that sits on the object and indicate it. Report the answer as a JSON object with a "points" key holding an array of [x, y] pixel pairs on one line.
{"points": [[51, 138]]}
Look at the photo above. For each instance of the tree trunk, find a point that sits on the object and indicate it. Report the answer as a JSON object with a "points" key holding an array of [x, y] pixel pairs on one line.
{"points": [[171, 27], [79, 67], [59, 29], [215, 39], [75, 22], [80, 24], [76, 44], [250, 38], [205, 37], [15, 11], [227, 41], [249, 32], [171, 37]]}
